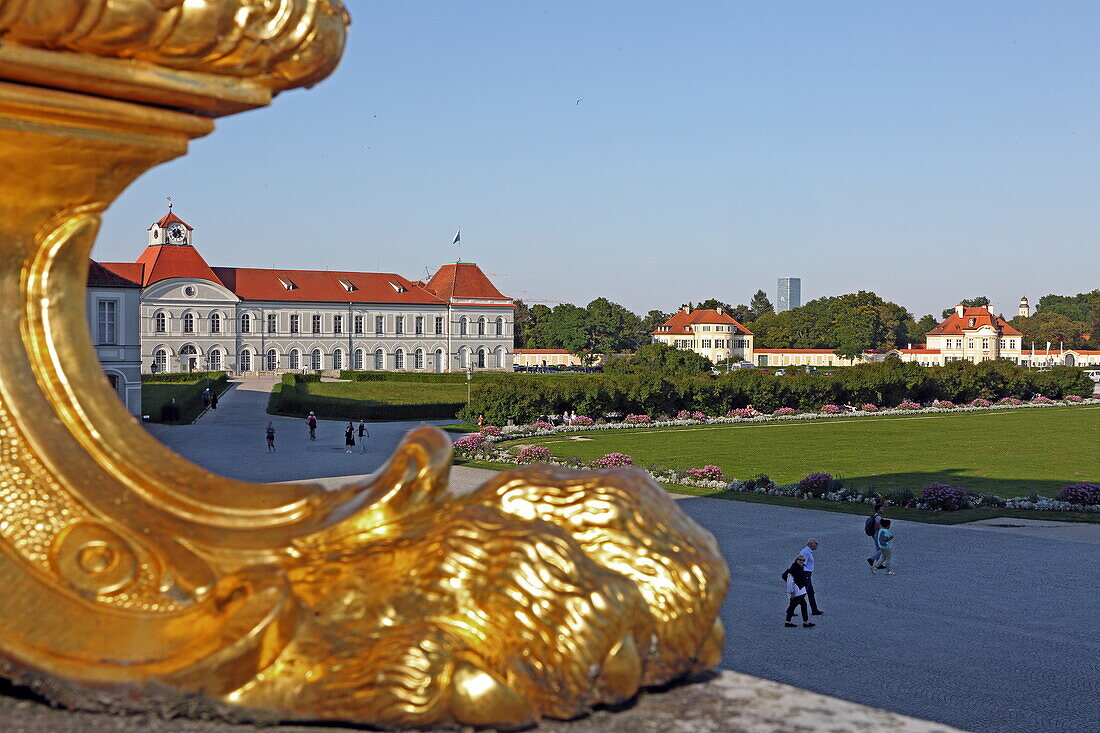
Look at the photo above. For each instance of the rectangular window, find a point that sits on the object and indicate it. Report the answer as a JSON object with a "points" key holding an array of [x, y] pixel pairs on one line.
{"points": [[272, 322], [439, 325], [295, 322], [359, 326], [379, 326], [337, 324], [970, 343], [706, 343], [985, 343], [419, 325], [317, 324], [399, 324], [107, 322]]}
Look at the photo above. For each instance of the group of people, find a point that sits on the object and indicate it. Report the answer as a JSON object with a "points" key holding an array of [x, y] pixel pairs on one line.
{"points": [[209, 399], [350, 433], [799, 576]]}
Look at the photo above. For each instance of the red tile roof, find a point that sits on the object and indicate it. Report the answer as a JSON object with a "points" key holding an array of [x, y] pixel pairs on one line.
{"points": [[678, 324], [462, 280], [541, 351], [170, 218], [797, 351], [163, 261], [323, 286], [955, 324], [99, 276]]}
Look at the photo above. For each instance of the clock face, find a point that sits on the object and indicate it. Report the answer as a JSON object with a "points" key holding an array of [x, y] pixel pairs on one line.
{"points": [[176, 234]]}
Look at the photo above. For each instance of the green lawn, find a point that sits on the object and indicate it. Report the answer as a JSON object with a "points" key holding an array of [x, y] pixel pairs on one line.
{"points": [[187, 396], [389, 392], [1009, 452]]}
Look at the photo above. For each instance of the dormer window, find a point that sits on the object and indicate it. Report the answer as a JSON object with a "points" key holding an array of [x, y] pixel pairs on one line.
{"points": [[398, 287], [348, 285], [287, 283], [972, 322]]}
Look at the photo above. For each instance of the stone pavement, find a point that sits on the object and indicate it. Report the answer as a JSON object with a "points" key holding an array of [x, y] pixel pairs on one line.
{"points": [[985, 628]]}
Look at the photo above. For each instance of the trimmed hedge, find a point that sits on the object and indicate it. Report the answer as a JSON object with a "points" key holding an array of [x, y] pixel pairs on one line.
{"points": [[447, 378], [502, 397], [292, 400], [157, 395], [184, 376]]}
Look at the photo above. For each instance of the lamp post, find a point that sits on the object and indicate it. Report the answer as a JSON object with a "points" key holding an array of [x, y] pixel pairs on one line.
{"points": [[469, 379]]}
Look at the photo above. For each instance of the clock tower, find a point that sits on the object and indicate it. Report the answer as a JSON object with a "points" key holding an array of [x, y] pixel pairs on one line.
{"points": [[170, 229]]}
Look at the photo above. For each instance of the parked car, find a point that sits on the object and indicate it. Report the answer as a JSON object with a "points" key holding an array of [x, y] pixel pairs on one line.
{"points": [[1094, 374], [780, 372]]}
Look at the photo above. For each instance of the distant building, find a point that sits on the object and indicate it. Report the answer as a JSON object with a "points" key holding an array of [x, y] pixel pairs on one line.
{"points": [[553, 358], [113, 306], [1025, 308], [789, 295], [711, 333]]}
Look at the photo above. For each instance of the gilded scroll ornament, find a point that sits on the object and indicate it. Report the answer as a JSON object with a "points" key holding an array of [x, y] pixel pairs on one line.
{"points": [[131, 575]]}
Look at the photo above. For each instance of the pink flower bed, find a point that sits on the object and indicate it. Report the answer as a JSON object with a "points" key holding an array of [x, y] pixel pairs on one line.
{"points": [[534, 454], [469, 444], [707, 473], [944, 404], [830, 409], [490, 430], [697, 415], [1009, 401], [785, 411], [638, 419], [612, 460], [908, 405], [541, 425], [742, 412], [1040, 400], [980, 403], [683, 415], [582, 420], [1074, 398], [869, 407]]}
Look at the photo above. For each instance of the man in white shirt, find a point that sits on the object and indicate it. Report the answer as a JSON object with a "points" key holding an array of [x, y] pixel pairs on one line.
{"points": [[808, 553]]}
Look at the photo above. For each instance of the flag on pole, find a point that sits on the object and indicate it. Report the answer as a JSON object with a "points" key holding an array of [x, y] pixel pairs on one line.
{"points": [[458, 236]]}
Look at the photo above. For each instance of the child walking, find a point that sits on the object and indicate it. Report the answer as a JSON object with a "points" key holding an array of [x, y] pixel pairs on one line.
{"points": [[270, 437], [795, 576], [884, 540]]}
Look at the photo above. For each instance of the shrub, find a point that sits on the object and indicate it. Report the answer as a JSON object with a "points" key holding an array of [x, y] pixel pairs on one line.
{"points": [[944, 404], [869, 407], [612, 460], [901, 497], [908, 405], [980, 403], [759, 481], [534, 454], [169, 413], [784, 411], [707, 473], [490, 430], [469, 444], [581, 420], [944, 498], [637, 419], [1081, 494], [991, 500], [830, 409], [816, 484]]}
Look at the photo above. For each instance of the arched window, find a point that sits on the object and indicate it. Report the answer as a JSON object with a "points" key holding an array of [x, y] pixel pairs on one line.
{"points": [[160, 323], [463, 326], [357, 362], [481, 326], [379, 360], [272, 322], [464, 358], [439, 360], [481, 358], [215, 360], [246, 324], [215, 323], [399, 359], [315, 360], [418, 359], [160, 360], [272, 360], [338, 359], [246, 361], [500, 325], [189, 358], [498, 361], [188, 323], [295, 359]]}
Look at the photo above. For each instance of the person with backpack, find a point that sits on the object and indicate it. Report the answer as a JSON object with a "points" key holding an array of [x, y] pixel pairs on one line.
{"points": [[871, 528], [796, 592], [311, 422]]}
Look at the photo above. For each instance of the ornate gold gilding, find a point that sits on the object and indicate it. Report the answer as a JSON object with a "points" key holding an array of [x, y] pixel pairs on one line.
{"points": [[131, 576]]}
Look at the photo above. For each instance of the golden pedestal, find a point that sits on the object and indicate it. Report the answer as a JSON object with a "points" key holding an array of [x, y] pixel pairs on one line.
{"points": [[134, 578]]}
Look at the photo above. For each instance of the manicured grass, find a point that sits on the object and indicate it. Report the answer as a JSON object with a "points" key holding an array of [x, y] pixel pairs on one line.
{"points": [[389, 393], [1004, 452], [188, 397]]}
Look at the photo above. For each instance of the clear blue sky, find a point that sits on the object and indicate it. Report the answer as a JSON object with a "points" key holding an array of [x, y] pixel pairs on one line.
{"points": [[927, 151]]}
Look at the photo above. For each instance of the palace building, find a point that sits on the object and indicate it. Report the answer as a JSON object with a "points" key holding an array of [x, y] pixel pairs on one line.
{"points": [[711, 333], [245, 320]]}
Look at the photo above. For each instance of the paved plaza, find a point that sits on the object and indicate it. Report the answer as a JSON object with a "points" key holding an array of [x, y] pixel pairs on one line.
{"points": [[987, 628]]}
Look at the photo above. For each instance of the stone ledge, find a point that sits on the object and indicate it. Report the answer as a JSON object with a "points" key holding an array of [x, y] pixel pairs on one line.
{"points": [[725, 702]]}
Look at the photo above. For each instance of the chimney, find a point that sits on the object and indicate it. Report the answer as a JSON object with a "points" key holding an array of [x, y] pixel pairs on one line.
{"points": [[686, 309], [910, 346], [959, 309], [718, 310]]}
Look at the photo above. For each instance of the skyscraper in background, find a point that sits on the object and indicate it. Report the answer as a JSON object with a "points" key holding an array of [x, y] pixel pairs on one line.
{"points": [[790, 294]]}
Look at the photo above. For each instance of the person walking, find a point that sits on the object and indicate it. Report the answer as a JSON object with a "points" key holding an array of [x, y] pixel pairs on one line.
{"points": [[206, 398], [213, 399], [796, 592], [349, 437], [884, 539], [270, 437], [808, 568], [363, 435], [871, 528], [311, 421]]}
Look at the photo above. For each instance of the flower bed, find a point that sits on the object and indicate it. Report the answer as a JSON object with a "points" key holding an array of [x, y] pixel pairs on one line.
{"points": [[706, 473], [582, 420], [868, 407], [980, 403], [637, 419], [612, 460], [832, 409], [534, 454], [1081, 494], [490, 430], [785, 411]]}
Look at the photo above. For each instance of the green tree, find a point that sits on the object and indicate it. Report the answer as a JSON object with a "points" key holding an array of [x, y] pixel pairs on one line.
{"points": [[661, 360], [521, 328], [611, 328], [1053, 327], [652, 320], [969, 303], [1080, 307], [850, 323], [714, 304], [741, 313], [563, 327], [917, 330], [759, 305]]}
